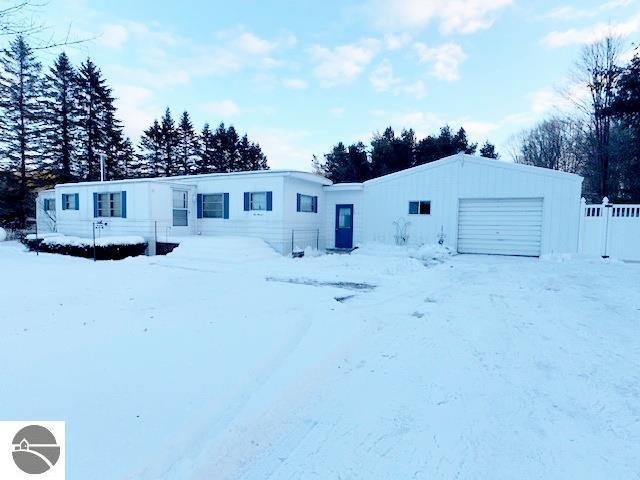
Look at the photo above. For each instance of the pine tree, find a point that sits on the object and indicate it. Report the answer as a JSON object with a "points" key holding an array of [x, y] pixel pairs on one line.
{"points": [[251, 156], [204, 160], [149, 160], [169, 144], [218, 155], [188, 146], [232, 153], [61, 120], [130, 167], [488, 150], [21, 111], [95, 100], [114, 143]]}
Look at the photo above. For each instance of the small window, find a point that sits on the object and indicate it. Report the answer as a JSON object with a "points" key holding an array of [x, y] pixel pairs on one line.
{"points": [[258, 201], [422, 207], [344, 218], [110, 204], [307, 203], [69, 201], [49, 205], [213, 205], [180, 208]]}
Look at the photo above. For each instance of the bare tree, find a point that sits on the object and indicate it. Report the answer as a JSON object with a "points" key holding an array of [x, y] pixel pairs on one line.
{"points": [[597, 70]]}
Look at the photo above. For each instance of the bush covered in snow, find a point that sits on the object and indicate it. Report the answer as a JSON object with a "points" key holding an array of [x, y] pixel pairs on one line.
{"points": [[3, 234], [107, 248]]}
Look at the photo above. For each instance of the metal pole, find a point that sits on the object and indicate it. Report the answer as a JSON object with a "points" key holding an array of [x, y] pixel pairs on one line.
{"points": [[318, 239], [94, 241], [292, 241], [37, 243]]}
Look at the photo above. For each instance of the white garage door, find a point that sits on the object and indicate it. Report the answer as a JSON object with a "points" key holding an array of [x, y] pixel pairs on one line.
{"points": [[502, 226]]}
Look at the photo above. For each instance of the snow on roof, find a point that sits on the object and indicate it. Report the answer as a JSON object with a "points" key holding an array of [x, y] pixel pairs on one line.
{"points": [[276, 173], [463, 157]]}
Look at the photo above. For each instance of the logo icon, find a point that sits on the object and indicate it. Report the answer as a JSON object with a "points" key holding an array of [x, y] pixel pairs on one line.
{"points": [[35, 450]]}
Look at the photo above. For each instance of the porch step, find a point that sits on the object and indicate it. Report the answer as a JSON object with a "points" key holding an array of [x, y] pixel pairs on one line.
{"points": [[340, 250]]}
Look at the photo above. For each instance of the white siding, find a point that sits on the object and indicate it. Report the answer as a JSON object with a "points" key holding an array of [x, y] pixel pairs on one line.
{"points": [[303, 229], [446, 181], [334, 195]]}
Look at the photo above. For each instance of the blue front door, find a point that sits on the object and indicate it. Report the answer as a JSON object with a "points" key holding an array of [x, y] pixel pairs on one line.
{"points": [[344, 226]]}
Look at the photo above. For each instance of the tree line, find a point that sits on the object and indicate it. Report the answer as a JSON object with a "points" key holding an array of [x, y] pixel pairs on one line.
{"points": [[389, 153], [600, 136], [57, 125]]}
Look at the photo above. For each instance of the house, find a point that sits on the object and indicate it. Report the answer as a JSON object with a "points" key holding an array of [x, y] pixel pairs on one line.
{"points": [[471, 204]]}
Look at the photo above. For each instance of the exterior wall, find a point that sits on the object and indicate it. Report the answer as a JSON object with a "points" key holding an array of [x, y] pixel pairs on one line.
{"points": [[444, 183], [45, 221], [337, 195], [303, 229]]}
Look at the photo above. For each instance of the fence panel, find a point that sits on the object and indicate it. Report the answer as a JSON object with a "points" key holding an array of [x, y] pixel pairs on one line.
{"points": [[610, 230]]}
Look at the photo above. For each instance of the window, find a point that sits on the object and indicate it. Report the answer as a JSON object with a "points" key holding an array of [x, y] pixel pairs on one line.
{"points": [[109, 204], [213, 205], [49, 204], [70, 201], [422, 207], [258, 201], [180, 210], [307, 203], [344, 218]]}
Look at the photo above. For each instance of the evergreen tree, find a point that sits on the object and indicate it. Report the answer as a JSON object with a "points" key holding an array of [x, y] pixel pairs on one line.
{"points": [[60, 115], [149, 161], [218, 154], [431, 148], [344, 165], [114, 143], [382, 152], [204, 160], [188, 146], [488, 150], [169, 144], [96, 105], [21, 112], [232, 154], [130, 166]]}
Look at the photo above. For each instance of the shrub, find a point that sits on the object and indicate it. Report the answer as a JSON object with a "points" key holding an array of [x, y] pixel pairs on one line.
{"points": [[107, 248]]}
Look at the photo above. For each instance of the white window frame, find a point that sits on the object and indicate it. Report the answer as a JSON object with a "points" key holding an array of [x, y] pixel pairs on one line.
{"points": [[113, 200], [420, 203], [251, 201], [309, 198], [213, 200], [69, 201], [183, 206]]}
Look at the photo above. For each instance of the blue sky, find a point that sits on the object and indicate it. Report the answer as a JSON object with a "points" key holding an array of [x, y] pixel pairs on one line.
{"points": [[300, 76]]}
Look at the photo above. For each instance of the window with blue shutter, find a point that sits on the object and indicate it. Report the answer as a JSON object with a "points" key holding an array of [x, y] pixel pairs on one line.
{"points": [[110, 204], [70, 201], [307, 203], [215, 205], [259, 201]]}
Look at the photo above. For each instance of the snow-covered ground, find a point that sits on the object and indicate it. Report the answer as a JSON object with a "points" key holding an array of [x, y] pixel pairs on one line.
{"points": [[224, 360]]}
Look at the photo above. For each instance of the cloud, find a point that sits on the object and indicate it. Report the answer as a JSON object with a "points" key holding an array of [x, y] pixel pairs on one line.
{"points": [[134, 107], [114, 36], [591, 34], [383, 79], [395, 42], [295, 83], [570, 12], [337, 112], [283, 147], [224, 108], [344, 63], [452, 16], [445, 59]]}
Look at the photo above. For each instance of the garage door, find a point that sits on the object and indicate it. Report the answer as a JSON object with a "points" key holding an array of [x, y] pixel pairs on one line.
{"points": [[501, 226]]}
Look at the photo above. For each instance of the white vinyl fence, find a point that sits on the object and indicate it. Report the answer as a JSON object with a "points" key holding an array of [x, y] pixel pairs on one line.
{"points": [[610, 230]]}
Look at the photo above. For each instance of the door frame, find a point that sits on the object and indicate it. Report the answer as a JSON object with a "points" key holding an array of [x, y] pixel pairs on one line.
{"points": [[337, 228]]}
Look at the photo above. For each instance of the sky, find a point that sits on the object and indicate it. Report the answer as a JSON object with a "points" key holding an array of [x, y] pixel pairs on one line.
{"points": [[300, 76]]}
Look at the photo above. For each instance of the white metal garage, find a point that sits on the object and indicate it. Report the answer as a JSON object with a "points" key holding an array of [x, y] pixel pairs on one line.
{"points": [[501, 226]]}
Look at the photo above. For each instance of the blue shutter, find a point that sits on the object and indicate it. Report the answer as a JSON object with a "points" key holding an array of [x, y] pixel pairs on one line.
{"points": [[123, 200], [95, 204], [199, 207], [77, 195], [269, 201], [297, 202], [226, 205], [46, 204], [247, 206], [315, 204]]}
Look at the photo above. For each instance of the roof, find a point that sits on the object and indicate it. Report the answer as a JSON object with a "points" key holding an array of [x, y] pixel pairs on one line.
{"points": [[462, 157], [312, 177], [344, 187]]}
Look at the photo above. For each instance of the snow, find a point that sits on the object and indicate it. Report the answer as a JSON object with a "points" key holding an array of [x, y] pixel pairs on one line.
{"points": [[225, 360], [3, 234], [88, 242]]}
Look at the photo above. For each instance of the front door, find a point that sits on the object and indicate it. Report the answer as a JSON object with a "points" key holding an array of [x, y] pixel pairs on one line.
{"points": [[344, 226]]}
